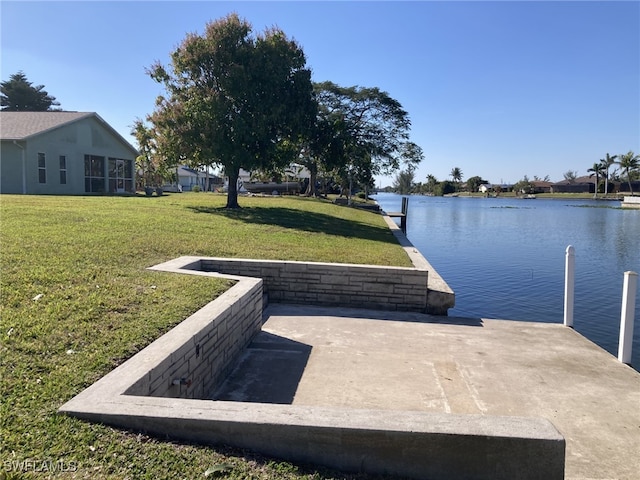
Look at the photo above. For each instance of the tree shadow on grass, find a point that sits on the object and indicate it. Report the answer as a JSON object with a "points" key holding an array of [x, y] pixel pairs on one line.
{"points": [[303, 221]]}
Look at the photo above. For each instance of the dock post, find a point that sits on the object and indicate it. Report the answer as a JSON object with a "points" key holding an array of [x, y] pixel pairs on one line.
{"points": [[569, 285], [403, 218], [626, 318]]}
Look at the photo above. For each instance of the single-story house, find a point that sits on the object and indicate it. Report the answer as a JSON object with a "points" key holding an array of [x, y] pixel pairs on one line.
{"points": [[188, 178], [541, 186], [623, 186], [64, 153], [584, 184], [488, 187]]}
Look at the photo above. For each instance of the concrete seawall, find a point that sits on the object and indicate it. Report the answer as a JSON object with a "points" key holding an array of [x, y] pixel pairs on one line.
{"points": [[631, 202], [440, 297]]}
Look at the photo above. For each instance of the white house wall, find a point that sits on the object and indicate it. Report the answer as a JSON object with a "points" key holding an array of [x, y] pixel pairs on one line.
{"points": [[75, 140]]}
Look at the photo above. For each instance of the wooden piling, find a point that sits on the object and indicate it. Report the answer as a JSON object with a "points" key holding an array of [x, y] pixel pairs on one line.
{"points": [[402, 215]]}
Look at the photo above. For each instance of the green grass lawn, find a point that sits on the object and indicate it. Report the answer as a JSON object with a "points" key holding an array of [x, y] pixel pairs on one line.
{"points": [[77, 300]]}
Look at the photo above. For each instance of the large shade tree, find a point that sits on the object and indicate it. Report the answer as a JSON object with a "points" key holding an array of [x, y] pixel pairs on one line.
{"points": [[232, 99], [473, 183], [404, 181], [369, 130], [19, 95], [151, 167], [325, 148]]}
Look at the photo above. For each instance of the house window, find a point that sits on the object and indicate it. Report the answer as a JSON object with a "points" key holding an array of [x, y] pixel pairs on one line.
{"points": [[94, 179], [63, 169], [120, 175], [42, 168]]}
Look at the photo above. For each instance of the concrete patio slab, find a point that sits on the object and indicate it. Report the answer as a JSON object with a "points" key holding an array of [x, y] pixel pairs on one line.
{"points": [[395, 361]]}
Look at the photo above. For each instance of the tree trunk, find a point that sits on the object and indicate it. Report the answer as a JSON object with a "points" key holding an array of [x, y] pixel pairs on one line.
{"points": [[232, 193], [629, 180]]}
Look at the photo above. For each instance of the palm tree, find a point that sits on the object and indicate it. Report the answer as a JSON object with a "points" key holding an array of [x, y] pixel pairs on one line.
{"points": [[432, 181], [456, 174], [570, 176], [596, 170], [606, 164], [629, 162]]}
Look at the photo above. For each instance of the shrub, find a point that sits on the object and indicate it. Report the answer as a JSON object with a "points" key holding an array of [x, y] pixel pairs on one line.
{"points": [[445, 188]]}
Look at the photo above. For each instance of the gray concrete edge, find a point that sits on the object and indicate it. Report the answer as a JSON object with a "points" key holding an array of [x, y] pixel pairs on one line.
{"points": [[412, 444], [115, 383]]}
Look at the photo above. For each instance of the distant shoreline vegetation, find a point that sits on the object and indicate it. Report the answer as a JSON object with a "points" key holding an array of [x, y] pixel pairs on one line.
{"points": [[612, 175], [558, 196]]}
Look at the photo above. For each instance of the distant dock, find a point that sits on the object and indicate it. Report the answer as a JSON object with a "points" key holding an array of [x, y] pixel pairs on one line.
{"points": [[631, 202]]}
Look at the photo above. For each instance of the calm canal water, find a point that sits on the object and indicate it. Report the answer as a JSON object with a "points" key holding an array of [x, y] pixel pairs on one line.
{"points": [[504, 258]]}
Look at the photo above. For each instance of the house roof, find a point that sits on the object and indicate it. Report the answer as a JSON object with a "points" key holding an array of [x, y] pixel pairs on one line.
{"points": [[193, 172], [24, 125], [578, 180]]}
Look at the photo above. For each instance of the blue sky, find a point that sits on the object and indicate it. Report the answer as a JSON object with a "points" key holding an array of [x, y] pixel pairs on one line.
{"points": [[497, 89]]}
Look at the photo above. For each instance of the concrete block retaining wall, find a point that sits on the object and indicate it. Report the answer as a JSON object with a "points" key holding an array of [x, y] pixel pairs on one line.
{"points": [[202, 349], [331, 284]]}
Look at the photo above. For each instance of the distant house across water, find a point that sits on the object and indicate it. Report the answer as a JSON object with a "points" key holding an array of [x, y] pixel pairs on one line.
{"points": [[502, 187], [64, 153], [585, 184], [541, 186]]}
